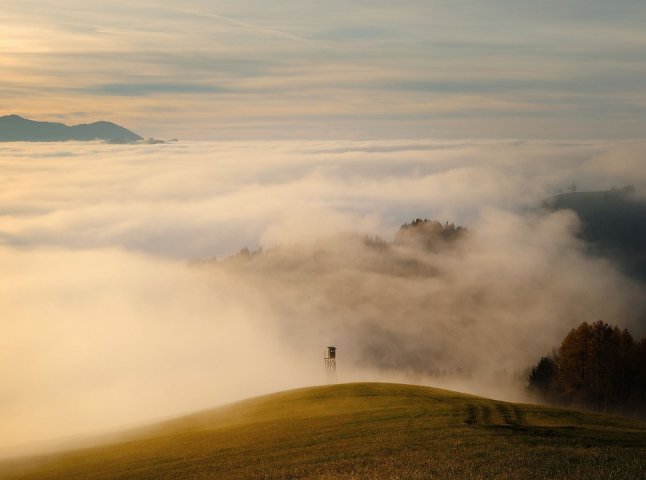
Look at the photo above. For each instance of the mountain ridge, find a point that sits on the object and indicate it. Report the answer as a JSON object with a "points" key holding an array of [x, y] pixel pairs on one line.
{"points": [[14, 128]]}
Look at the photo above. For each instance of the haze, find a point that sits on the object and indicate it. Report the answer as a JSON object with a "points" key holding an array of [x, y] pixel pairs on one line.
{"points": [[107, 323]]}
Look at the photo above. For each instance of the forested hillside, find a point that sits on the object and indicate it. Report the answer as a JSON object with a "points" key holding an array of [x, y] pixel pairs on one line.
{"points": [[613, 224]]}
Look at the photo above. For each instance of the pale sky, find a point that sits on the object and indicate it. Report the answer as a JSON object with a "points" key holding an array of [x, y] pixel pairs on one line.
{"points": [[213, 70]]}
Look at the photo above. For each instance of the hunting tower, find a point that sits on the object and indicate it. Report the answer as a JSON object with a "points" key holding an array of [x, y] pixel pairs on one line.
{"points": [[329, 356]]}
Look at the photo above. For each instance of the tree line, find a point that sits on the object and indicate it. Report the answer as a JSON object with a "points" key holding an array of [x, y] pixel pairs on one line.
{"points": [[598, 367], [428, 234]]}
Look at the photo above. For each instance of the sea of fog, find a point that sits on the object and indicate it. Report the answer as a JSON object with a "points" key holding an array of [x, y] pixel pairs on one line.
{"points": [[109, 318]]}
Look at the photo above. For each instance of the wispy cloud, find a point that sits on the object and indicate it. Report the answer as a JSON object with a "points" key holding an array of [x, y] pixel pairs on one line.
{"points": [[133, 89], [262, 30], [334, 70]]}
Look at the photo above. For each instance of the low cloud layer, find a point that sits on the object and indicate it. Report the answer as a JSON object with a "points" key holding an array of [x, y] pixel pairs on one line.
{"points": [[191, 200], [106, 321]]}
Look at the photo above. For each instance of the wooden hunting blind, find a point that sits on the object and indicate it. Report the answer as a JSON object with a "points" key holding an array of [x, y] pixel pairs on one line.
{"points": [[329, 357]]}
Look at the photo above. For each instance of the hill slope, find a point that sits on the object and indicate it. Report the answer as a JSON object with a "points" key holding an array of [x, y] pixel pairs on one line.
{"points": [[17, 129], [613, 225], [364, 431]]}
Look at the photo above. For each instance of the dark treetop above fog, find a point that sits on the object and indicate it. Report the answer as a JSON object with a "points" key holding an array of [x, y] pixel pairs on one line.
{"points": [[14, 128]]}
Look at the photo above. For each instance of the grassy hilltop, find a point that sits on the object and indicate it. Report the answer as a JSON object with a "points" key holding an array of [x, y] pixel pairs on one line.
{"points": [[367, 431]]}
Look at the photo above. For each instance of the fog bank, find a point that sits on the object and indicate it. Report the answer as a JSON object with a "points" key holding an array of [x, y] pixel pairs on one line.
{"points": [[108, 321]]}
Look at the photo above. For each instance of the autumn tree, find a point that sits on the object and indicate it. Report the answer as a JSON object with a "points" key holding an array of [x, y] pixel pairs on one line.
{"points": [[542, 378], [597, 366]]}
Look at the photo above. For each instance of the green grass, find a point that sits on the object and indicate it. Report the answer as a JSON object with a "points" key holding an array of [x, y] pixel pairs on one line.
{"points": [[364, 431]]}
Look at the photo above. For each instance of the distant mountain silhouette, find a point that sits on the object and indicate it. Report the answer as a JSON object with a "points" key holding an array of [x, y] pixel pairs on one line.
{"points": [[14, 128], [613, 225]]}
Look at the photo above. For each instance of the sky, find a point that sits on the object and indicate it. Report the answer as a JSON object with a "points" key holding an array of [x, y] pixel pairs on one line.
{"points": [[215, 70]]}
